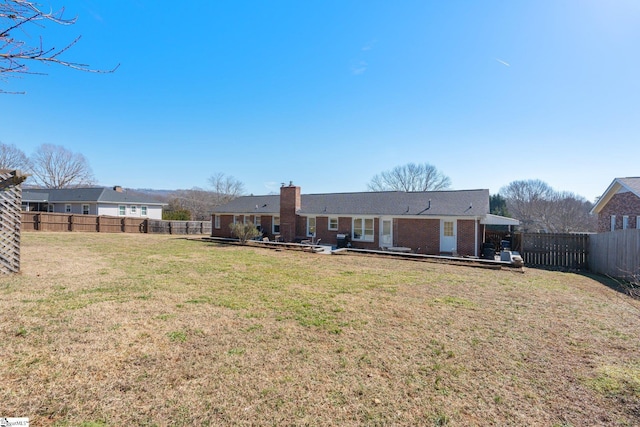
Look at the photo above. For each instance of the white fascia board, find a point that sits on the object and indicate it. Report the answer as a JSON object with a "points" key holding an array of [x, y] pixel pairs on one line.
{"points": [[613, 189], [490, 219]]}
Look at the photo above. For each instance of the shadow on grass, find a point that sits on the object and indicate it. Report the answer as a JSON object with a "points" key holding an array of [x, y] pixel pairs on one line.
{"points": [[629, 288], [626, 287]]}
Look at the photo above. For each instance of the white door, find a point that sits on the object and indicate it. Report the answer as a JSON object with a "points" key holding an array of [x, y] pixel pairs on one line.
{"points": [[386, 233], [448, 235]]}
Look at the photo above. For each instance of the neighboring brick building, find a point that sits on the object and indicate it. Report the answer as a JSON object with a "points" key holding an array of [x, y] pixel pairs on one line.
{"points": [[619, 206], [431, 222]]}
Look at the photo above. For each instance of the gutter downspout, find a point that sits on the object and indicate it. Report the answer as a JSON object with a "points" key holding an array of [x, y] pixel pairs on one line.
{"points": [[475, 247]]}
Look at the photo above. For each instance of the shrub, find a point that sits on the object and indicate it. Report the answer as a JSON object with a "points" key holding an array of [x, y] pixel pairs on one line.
{"points": [[176, 215], [244, 232]]}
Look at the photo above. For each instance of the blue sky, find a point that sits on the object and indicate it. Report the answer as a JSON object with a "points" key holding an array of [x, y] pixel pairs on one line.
{"points": [[328, 93]]}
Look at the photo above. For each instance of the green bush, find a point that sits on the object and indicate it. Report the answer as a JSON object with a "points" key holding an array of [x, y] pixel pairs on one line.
{"points": [[177, 215]]}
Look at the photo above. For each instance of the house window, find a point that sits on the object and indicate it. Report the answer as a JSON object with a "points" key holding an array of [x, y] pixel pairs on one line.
{"points": [[448, 229], [85, 209], [625, 222], [67, 208], [236, 219], [247, 219], [638, 222], [143, 210], [257, 222], [333, 223], [276, 224], [134, 210], [122, 210], [613, 222], [311, 226], [216, 221], [363, 229]]}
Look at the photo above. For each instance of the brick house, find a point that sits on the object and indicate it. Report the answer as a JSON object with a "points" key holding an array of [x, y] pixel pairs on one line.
{"points": [[432, 222], [619, 206]]}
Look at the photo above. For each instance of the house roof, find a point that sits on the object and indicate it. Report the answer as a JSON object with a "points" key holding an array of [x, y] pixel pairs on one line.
{"points": [[87, 195], [34, 197], [631, 184], [396, 203]]}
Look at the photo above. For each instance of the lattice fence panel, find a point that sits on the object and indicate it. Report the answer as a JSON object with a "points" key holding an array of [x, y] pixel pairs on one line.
{"points": [[10, 206]]}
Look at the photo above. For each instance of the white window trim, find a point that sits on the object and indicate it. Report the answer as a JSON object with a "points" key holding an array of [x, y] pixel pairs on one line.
{"points": [[122, 210], [625, 222], [257, 221], [273, 225], [236, 219], [638, 222], [88, 209], [67, 208], [315, 225], [329, 223], [216, 221], [353, 230], [133, 209], [144, 211], [247, 219]]}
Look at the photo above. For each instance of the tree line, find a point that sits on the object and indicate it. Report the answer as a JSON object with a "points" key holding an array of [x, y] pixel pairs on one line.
{"points": [[537, 206], [53, 166], [50, 166]]}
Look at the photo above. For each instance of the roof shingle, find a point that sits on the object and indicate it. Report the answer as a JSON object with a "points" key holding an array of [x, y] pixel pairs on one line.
{"points": [[428, 203]]}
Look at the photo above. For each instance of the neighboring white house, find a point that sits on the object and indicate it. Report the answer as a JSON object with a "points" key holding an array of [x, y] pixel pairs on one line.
{"points": [[92, 201]]}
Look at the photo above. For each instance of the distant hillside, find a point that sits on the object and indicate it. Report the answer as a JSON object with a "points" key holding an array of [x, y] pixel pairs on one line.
{"points": [[162, 195]]}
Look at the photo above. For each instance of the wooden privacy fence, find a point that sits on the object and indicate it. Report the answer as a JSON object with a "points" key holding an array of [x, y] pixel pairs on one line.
{"points": [[47, 221], [616, 254], [562, 250], [179, 227]]}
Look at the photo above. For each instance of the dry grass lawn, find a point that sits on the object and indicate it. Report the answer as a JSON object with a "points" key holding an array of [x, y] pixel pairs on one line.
{"points": [[125, 329]]}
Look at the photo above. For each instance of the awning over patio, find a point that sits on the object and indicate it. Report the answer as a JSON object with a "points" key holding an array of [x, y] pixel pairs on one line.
{"points": [[490, 219]]}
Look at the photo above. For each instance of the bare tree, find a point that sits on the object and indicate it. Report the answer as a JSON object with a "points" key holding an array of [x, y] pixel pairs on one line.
{"points": [[410, 177], [200, 202], [528, 201], [53, 166], [541, 209], [571, 213], [17, 17], [225, 188], [12, 157]]}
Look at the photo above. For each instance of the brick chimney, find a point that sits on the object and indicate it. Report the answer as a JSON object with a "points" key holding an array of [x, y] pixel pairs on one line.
{"points": [[289, 205]]}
